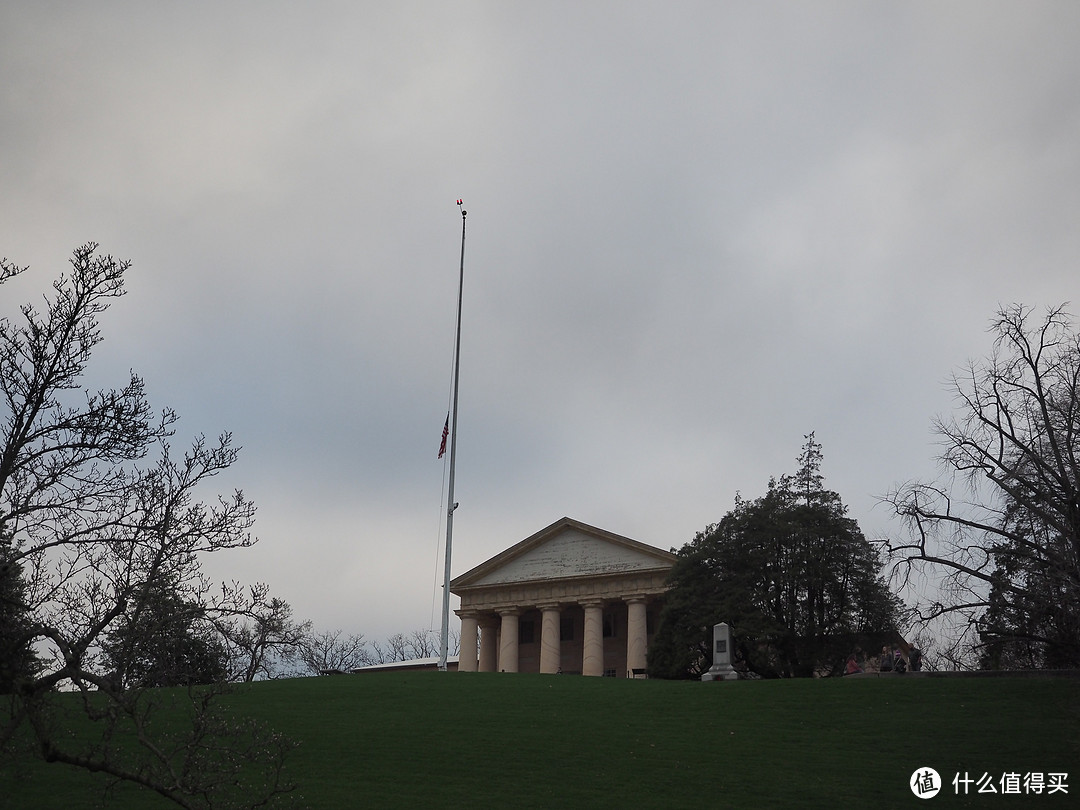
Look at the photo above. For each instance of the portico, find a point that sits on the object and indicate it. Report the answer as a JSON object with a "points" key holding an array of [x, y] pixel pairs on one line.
{"points": [[572, 598]]}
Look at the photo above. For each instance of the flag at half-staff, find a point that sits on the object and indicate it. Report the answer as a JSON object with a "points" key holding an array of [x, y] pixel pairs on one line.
{"points": [[450, 430]]}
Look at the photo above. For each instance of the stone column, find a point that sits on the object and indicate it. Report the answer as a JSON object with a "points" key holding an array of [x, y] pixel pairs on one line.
{"points": [[636, 634], [592, 658], [550, 643], [508, 640], [467, 657], [489, 645]]}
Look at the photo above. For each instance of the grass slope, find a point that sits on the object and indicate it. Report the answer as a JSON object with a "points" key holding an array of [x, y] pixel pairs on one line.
{"points": [[492, 740]]}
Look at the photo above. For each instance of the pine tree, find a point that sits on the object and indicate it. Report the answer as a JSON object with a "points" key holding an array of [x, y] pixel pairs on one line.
{"points": [[17, 659], [792, 574]]}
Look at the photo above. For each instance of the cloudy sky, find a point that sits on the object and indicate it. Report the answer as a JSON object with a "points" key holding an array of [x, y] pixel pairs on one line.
{"points": [[696, 232]]}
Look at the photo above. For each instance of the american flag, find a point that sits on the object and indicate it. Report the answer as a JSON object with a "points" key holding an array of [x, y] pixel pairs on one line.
{"points": [[445, 433]]}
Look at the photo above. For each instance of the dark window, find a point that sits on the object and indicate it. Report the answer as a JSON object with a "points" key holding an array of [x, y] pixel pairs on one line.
{"points": [[566, 629], [609, 625], [526, 632]]}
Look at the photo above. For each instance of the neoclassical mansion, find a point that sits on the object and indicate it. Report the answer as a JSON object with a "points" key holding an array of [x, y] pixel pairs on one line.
{"points": [[571, 598]]}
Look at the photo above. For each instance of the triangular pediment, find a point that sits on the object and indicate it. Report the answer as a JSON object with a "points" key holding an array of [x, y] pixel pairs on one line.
{"points": [[566, 549]]}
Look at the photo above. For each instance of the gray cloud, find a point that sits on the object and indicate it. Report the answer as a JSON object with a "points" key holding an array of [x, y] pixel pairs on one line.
{"points": [[696, 233]]}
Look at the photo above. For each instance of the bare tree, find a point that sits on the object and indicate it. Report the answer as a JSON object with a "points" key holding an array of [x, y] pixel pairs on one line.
{"points": [[261, 639], [397, 648], [422, 644], [415, 645], [1003, 530], [334, 652], [453, 643], [97, 514]]}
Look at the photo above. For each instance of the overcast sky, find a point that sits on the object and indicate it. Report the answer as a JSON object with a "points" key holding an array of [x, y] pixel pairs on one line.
{"points": [[696, 232]]}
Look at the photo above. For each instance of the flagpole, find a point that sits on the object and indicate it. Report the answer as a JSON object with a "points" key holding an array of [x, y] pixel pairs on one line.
{"points": [[451, 506]]}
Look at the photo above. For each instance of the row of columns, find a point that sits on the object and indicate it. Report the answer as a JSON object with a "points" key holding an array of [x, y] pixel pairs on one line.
{"points": [[505, 659]]}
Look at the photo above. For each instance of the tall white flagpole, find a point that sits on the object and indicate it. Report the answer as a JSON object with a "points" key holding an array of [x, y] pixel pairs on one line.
{"points": [[451, 506]]}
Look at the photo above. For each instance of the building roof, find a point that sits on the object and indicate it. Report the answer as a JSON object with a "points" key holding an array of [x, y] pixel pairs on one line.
{"points": [[412, 664], [566, 549]]}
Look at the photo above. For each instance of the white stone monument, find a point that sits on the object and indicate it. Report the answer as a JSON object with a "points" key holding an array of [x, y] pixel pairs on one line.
{"points": [[721, 669]]}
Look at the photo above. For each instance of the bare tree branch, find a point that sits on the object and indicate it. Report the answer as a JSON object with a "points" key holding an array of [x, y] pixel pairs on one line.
{"points": [[101, 531], [1004, 534]]}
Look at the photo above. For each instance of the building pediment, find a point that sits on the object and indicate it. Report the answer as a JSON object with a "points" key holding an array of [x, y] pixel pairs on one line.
{"points": [[567, 549]]}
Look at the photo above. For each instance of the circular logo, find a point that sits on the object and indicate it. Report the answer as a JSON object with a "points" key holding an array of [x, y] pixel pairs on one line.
{"points": [[925, 783]]}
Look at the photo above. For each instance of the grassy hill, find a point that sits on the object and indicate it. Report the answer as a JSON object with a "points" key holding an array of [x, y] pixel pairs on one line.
{"points": [[518, 741]]}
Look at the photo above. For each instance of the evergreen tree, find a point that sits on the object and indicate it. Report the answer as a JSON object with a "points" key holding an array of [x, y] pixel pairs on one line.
{"points": [[1032, 620], [789, 571], [17, 658], [164, 642]]}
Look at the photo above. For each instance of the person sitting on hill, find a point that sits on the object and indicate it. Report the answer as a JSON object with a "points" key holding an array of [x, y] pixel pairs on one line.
{"points": [[852, 666]]}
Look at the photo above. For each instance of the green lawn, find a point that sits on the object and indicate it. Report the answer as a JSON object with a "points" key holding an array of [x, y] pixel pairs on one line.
{"points": [[516, 741]]}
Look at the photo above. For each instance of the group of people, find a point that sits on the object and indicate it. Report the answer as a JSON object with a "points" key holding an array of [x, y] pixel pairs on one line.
{"points": [[892, 660]]}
